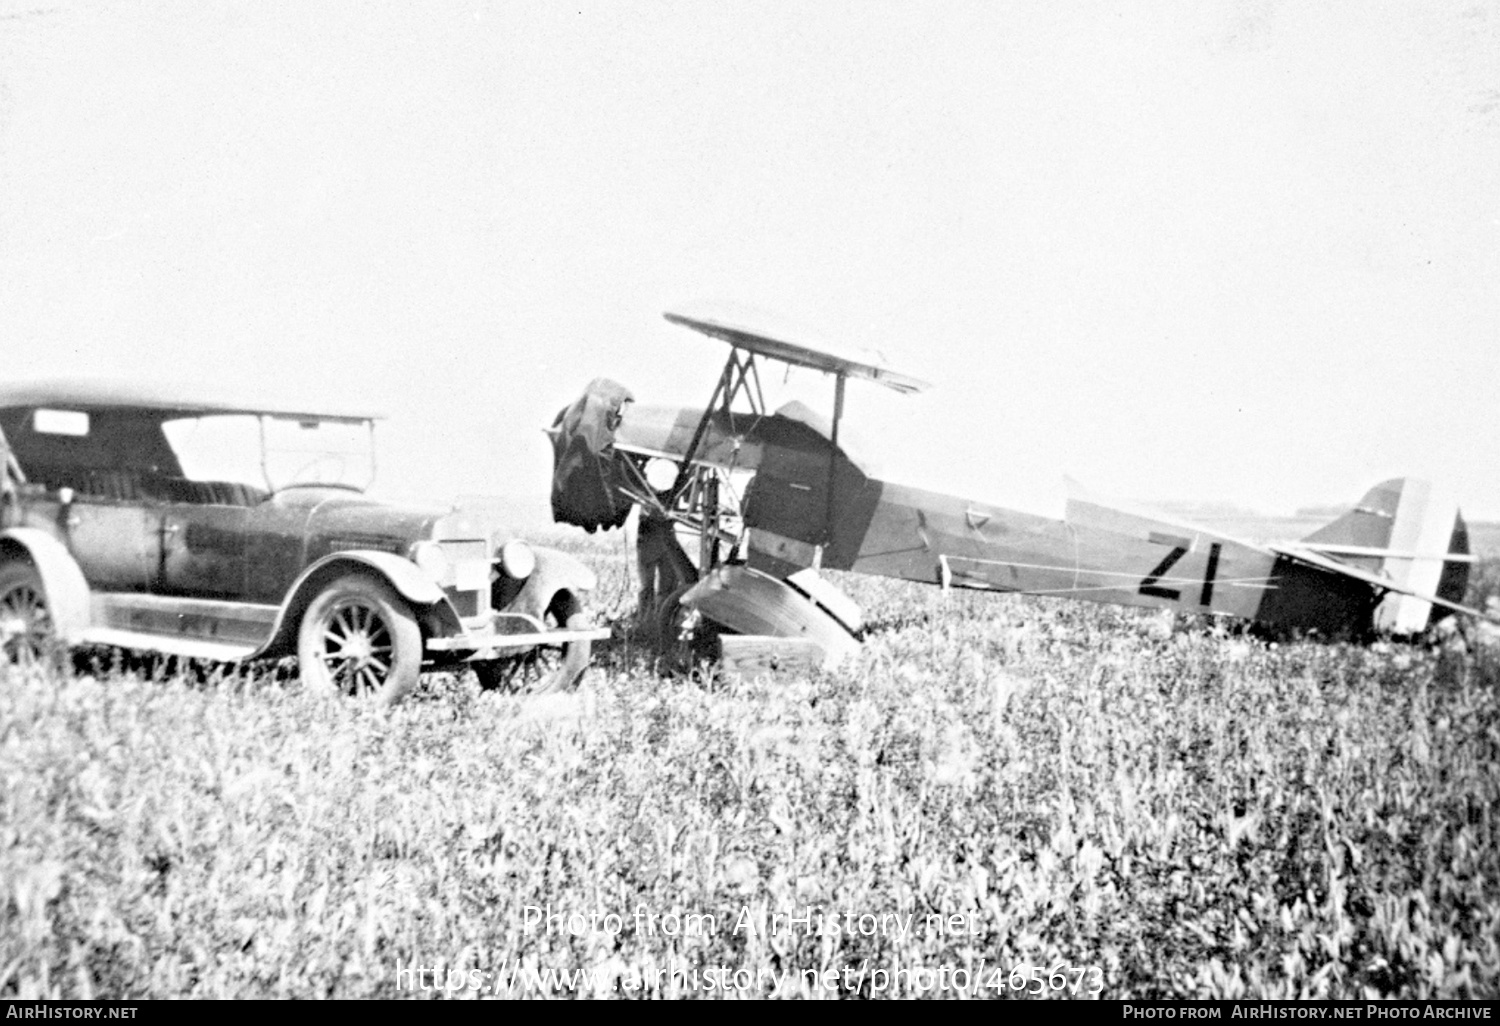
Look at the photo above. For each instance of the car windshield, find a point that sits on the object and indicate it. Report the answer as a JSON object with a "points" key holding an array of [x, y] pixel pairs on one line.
{"points": [[274, 451]]}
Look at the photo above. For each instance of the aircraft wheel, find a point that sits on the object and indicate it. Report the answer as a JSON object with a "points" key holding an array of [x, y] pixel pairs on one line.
{"points": [[26, 632], [684, 637], [359, 638], [545, 669]]}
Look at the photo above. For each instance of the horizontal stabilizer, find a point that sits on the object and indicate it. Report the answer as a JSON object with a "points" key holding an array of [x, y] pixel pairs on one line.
{"points": [[1364, 550], [1405, 533], [1312, 558]]}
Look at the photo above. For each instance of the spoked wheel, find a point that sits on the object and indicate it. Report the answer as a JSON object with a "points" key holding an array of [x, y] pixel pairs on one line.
{"points": [[26, 633], [684, 636], [359, 638], [544, 669]]}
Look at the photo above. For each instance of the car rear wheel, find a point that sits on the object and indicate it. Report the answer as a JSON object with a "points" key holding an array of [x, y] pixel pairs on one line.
{"points": [[545, 669], [26, 632], [359, 638]]}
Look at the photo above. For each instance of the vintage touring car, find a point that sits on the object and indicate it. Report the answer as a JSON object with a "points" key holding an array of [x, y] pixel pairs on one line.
{"points": [[179, 521]]}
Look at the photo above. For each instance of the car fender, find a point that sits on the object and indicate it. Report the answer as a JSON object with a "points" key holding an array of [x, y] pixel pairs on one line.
{"points": [[67, 590], [434, 612], [555, 571]]}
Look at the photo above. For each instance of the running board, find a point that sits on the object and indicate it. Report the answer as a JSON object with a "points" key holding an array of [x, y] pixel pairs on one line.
{"points": [[192, 648], [485, 646], [218, 623]]}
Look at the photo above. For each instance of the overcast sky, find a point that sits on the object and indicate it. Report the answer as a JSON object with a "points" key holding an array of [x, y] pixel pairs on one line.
{"points": [[1240, 251]]}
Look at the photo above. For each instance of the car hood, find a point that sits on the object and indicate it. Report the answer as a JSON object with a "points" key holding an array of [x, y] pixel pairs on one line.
{"points": [[336, 520]]}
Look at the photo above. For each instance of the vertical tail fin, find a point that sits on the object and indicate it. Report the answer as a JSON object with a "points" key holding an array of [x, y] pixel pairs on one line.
{"points": [[1402, 528]]}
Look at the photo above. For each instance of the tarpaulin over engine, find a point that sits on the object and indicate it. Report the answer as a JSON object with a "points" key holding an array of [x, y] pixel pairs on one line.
{"points": [[586, 470]]}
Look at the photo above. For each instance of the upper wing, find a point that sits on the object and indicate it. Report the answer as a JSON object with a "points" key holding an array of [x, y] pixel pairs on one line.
{"points": [[755, 332]]}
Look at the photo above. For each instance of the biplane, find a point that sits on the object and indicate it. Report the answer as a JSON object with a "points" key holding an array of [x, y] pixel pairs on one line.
{"points": [[772, 498]]}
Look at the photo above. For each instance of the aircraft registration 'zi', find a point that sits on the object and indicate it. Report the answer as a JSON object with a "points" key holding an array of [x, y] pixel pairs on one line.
{"points": [[1396, 562]]}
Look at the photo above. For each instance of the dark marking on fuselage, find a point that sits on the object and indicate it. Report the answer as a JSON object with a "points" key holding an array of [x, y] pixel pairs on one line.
{"points": [[1149, 585], [1207, 597]]}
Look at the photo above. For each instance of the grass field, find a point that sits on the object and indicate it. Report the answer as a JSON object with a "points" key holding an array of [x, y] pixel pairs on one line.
{"points": [[1138, 806]]}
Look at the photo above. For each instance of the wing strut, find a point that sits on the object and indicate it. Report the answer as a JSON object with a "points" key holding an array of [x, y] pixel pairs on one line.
{"points": [[838, 415], [740, 374], [700, 485]]}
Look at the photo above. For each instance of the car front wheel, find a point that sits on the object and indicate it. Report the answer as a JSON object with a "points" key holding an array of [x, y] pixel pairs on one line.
{"points": [[359, 638], [25, 625]]}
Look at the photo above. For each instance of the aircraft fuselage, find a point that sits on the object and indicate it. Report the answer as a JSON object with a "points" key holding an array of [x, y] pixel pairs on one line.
{"points": [[810, 504]]}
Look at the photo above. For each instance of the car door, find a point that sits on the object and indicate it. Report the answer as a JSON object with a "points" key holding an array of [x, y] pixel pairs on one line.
{"points": [[77, 490], [203, 565], [111, 538], [200, 550]]}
